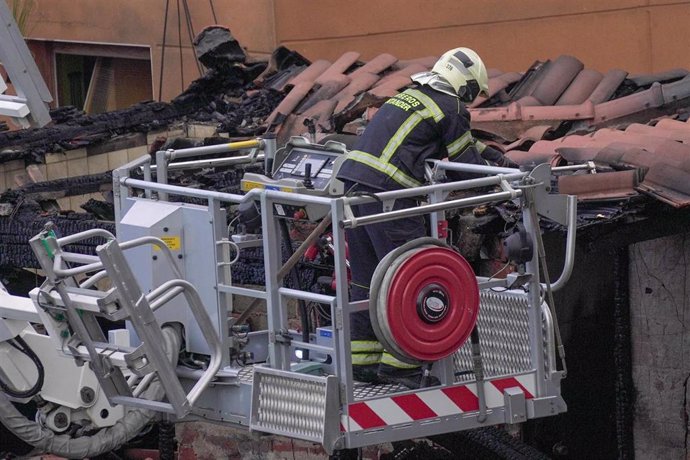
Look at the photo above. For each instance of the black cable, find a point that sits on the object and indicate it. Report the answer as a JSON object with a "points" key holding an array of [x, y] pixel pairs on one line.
{"points": [[23, 347], [213, 11], [179, 44], [165, 33], [191, 33], [304, 314]]}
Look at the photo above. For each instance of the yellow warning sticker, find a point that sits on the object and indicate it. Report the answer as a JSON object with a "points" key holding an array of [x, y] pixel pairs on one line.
{"points": [[173, 242], [249, 185]]}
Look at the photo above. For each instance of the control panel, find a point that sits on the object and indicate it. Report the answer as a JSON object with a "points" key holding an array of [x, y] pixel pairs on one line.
{"points": [[302, 167]]}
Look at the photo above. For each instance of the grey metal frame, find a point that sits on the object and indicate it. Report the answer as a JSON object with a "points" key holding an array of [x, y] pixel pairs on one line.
{"points": [[228, 391]]}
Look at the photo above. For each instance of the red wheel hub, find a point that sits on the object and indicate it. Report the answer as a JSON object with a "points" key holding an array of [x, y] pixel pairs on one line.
{"points": [[432, 303]]}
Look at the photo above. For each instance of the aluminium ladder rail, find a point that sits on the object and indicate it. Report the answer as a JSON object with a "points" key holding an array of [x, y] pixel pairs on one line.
{"points": [[124, 301]]}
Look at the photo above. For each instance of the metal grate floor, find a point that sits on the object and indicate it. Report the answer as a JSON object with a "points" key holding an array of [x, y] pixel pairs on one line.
{"points": [[368, 390], [362, 390]]}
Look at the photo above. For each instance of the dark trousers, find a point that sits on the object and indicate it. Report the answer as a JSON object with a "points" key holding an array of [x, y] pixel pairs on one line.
{"points": [[368, 244]]}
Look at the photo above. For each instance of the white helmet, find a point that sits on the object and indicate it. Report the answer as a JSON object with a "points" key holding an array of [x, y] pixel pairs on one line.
{"points": [[463, 70]]}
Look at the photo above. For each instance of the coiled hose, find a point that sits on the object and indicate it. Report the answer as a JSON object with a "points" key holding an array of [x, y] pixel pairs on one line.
{"points": [[46, 441]]}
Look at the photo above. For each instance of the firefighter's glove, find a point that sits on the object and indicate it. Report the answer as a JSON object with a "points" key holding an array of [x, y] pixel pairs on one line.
{"points": [[506, 162]]}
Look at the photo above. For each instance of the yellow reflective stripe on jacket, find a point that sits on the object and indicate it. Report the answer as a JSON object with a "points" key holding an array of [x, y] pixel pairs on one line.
{"points": [[391, 360], [459, 144], [366, 359], [480, 146], [401, 134], [431, 110], [429, 103], [366, 346], [383, 167]]}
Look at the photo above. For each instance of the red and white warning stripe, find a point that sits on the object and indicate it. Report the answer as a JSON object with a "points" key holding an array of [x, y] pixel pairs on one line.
{"points": [[432, 403]]}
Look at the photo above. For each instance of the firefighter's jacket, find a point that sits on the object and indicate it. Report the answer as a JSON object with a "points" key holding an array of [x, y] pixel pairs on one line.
{"points": [[411, 127]]}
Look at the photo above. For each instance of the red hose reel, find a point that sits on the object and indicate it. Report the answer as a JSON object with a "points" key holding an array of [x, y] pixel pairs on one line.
{"points": [[424, 301]]}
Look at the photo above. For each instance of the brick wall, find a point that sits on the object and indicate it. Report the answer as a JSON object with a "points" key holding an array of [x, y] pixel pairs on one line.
{"points": [[206, 441]]}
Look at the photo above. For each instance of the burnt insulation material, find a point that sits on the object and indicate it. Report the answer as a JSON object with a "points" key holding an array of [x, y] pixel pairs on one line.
{"points": [[82, 130], [249, 269], [16, 230], [245, 117], [488, 443], [215, 96], [102, 210], [70, 186]]}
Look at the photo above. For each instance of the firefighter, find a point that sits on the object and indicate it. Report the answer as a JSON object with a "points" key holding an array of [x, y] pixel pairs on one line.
{"points": [[427, 121]]}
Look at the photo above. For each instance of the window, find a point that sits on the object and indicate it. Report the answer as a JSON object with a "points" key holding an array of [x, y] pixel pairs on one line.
{"points": [[102, 78]]}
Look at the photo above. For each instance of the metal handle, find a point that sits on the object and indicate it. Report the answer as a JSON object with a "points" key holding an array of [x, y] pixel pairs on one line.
{"points": [[197, 306], [427, 208], [569, 245]]}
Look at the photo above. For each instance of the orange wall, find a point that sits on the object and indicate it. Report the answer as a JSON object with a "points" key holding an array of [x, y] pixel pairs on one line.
{"points": [[635, 35], [140, 22]]}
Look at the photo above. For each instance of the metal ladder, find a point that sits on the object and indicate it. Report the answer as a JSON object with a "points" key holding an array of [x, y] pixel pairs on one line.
{"points": [[30, 107], [70, 310]]}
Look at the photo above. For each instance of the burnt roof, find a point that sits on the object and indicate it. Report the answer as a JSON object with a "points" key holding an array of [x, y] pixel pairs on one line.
{"points": [[556, 111]]}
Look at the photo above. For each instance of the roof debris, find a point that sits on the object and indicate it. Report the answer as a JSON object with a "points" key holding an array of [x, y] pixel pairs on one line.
{"points": [[633, 127]]}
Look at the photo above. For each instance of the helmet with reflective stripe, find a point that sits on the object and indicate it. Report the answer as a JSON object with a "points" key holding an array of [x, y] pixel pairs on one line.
{"points": [[465, 72]]}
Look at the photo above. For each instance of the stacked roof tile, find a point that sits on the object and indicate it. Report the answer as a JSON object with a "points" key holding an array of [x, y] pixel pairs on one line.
{"points": [[650, 158], [556, 111], [551, 91]]}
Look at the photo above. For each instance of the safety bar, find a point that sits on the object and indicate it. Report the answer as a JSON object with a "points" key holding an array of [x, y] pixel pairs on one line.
{"points": [[307, 295], [185, 191], [481, 169], [471, 168], [173, 154], [92, 280], [205, 324], [445, 186], [158, 299], [81, 236], [163, 157], [66, 272], [253, 194], [331, 301], [428, 208], [93, 262], [212, 163], [160, 244], [571, 233], [130, 244]]}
